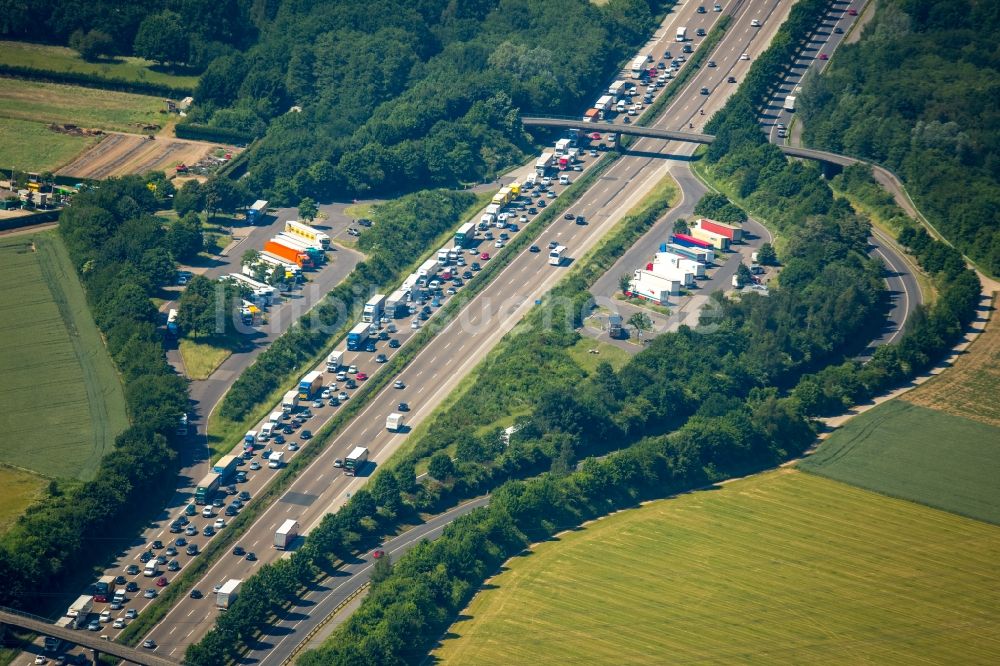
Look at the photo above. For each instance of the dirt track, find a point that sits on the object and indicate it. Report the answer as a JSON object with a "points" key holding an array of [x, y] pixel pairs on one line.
{"points": [[120, 154]]}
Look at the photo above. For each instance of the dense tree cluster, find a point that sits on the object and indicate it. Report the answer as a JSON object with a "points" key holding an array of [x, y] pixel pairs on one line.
{"points": [[123, 257], [920, 94], [426, 95], [404, 229], [189, 32]]}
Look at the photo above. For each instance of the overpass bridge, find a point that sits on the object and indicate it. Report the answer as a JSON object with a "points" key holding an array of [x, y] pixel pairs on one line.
{"points": [[828, 159], [80, 637]]}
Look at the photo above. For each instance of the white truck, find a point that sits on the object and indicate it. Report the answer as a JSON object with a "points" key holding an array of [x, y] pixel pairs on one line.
{"points": [[81, 608], [226, 595], [373, 308], [334, 361], [275, 417], [276, 460], [285, 534], [290, 401], [394, 422]]}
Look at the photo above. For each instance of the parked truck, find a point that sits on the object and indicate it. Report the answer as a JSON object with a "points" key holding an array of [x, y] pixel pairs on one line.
{"points": [[334, 361], [290, 401], [285, 534], [317, 254], [307, 233], [358, 336], [394, 422], [226, 595], [297, 257], [373, 309], [310, 385], [257, 211]]}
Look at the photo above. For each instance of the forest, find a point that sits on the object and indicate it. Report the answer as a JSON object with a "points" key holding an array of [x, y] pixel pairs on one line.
{"points": [[920, 94]]}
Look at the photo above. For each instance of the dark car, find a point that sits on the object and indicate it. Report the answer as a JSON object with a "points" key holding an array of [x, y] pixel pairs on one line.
{"points": [[157, 544], [251, 557], [176, 527], [383, 335], [161, 560], [580, 219], [237, 503], [231, 511], [731, 79], [278, 439], [838, 30], [306, 434], [245, 496], [475, 266], [394, 344], [119, 580], [381, 358], [370, 347], [238, 550], [467, 275], [351, 384], [403, 407], [132, 570], [192, 549], [534, 248], [131, 586], [569, 216], [701, 9], [196, 594], [541, 203], [181, 542]]}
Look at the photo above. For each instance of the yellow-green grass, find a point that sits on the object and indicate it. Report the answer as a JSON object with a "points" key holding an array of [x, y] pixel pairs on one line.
{"points": [[18, 490], [779, 568], [582, 356], [202, 358], [31, 146], [359, 211], [904, 450], [85, 107], [62, 398], [62, 59]]}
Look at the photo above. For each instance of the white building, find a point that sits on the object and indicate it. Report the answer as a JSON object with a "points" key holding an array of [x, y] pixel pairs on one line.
{"points": [[654, 287]]}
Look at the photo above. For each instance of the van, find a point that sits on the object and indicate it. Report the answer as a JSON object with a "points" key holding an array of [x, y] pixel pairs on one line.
{"points": [[266, 431], [190, 510], [442, 256], [620, 106], [150, 569]]}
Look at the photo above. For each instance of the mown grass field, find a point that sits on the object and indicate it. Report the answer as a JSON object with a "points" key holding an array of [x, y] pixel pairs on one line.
{"points": [[31, 146], [18, 490], [919, 454], [782, 567], [62, 399], [62, 59], [85, 107], [969, 388]]}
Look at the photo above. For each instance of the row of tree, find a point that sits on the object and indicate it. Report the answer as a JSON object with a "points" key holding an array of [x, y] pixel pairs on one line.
{"points": [[920, 93], [427, 95], [123, 254], [188, 32]]}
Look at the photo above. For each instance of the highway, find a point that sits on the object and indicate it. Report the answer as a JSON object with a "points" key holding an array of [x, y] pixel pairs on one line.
{"points": [[464, 342]]}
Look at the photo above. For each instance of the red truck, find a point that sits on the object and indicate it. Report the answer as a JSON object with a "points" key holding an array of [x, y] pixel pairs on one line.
{"points": [[289, 254]]}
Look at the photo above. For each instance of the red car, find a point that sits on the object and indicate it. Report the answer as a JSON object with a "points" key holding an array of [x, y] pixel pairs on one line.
{"points": [[852, 12], [101, 598], [161, 581], [378, 553], [485, 256], [823, 56], [361, 376]]}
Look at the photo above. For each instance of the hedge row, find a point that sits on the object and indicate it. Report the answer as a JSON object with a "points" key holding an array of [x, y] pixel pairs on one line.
{"points": [[94, 81], [198, 132]]}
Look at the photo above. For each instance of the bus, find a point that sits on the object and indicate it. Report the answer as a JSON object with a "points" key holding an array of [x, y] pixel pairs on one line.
{"points": [[555, 255], [207, 487], [355, 460], [682, 34], [465, 234]]}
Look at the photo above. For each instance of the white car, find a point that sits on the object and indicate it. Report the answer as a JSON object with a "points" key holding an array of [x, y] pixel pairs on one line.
{"points": [[207, 512], [415, 324], [106, 615], [745, 56], [119, 624], [219, 523], [341, 376], [546, 181], [499, 244], [755, 23], [352, 370], [326, 394], [343, 396]]}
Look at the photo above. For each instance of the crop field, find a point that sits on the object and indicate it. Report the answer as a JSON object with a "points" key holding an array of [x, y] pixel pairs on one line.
{"points": [[62, 59], [970, 387], [84, 107], [782, 567], [63, 400], [904, 450], [18, 490], [30, 146]]}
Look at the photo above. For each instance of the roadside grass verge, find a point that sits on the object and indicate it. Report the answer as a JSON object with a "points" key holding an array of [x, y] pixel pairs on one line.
{"points": [[202, 357], [62, 59], [18, 490], [63, 400], [922, 455], [781, 567], [85, 107], [30, 146]]}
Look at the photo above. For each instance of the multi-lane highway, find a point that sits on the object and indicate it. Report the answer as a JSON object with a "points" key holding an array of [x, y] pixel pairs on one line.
{"points": [[466, 340]]}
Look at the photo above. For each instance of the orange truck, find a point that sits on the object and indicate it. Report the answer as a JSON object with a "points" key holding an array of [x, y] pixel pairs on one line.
{"points": [[289, 254]]}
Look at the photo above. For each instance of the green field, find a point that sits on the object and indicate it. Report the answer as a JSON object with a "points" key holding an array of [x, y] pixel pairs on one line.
{"points": [[63, 401], [782, 567], [31, 146], [84, 107], [919, 454], [62, 59], [18, 490]]}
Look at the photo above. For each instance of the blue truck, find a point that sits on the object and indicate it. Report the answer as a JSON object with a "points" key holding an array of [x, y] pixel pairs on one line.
{"points": [[358, 336]]}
